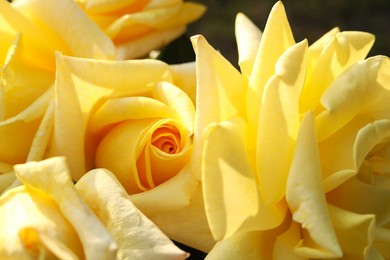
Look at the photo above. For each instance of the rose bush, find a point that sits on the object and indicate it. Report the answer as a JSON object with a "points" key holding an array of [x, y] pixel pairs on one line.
{"points": [[138, 26], [131, 118], [294, 148], [55, 221]]}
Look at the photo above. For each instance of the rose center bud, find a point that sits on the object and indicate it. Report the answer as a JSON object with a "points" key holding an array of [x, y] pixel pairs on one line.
{"points": [[167, 139], [144, 153]]}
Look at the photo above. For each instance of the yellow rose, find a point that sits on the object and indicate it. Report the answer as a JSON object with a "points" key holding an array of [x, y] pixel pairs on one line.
{"points": [[293, 148], [31, 32], [130, 118], [47, 218], [139, 26]]}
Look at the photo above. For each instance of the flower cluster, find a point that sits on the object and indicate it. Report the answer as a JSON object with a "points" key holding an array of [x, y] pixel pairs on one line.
{"points": [[104, 156]]}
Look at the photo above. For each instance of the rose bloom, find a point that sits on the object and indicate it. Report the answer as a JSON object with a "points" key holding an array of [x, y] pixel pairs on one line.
{"points": [[138, 26], [31, 32], [294, 149], [47, 217], [131, 118]]}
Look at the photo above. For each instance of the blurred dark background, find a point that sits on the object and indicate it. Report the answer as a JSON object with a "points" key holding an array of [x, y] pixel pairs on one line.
{"points": [[308, 19]]}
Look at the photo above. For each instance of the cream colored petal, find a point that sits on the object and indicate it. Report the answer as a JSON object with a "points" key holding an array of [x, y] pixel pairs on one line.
{"points": [[338, 159], [140, 47], [306, 199], [363, 88], [120, 109], [176, 193], [232, 199], [184, 77], [91, 41], [79, 90], [355, 233], [137, 237], [186, 224], [244, 245], [279, 123], [276, 39], [52, 177], [248, 40], [220, 92], [33, 214], [286, 243], [339, 53], [178, 100], [358, 196]]}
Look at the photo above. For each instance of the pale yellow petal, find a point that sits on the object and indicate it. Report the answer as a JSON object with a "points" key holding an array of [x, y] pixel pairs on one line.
{"points": [[248, 40], [232, 200], [106, 6], [178, 100], [38, 47], [186, 224], [286, 243], [382, 240], [137, 237], [176, 194], [78, 90], [355, 233], [42, 136], [141, 46], [339, 53], [306, 198], [91, 41], [339, 161], [52, 177], [365, 198], [362, 89], [184, 77], [26, 216], [120, 109], [22, 83], [276, 39], [220, 92], [244, 245], [279, 123]]}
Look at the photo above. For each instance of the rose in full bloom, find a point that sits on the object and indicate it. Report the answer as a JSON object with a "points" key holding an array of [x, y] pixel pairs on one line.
{"points": [[132, 118], [294, 148], [47, 217], [139, 26], [31, 32]]}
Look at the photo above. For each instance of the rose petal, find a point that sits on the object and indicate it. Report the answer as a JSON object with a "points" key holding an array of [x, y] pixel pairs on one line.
{"points": [[227, 179], [136, 235], [359, 227], [279, 123], [306, 199], [248, 39], [184, 76], [178, 100], [91, 42], [339, 52], [360, 89], [220, 93], [276, 39], [52, 177]]}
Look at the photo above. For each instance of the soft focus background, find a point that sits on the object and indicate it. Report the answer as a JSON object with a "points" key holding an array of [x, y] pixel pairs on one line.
{"points": [[308, 19]]}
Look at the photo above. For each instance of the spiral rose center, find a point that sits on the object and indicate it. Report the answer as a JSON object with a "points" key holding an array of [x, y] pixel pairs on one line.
{"points": [[167, 139]]}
